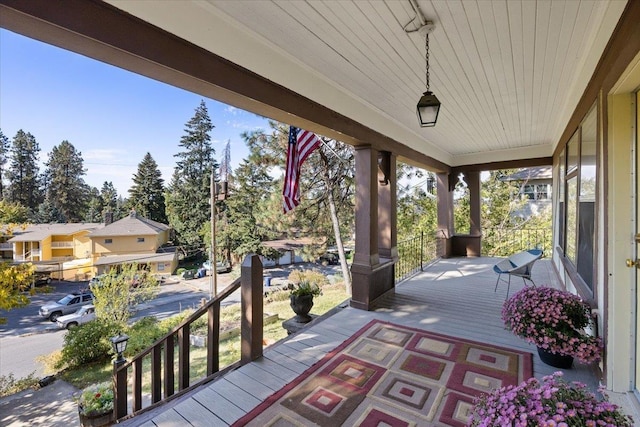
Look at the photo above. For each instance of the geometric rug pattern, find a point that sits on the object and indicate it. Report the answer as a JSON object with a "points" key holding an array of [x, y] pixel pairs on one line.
{"points": [[391, 375]]}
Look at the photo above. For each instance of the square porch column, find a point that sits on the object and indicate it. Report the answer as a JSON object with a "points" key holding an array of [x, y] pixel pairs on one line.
{"points": [[445, 213], [371, 278], [387, 206]]}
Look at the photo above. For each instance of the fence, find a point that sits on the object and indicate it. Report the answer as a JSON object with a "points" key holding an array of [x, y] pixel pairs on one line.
{"points": [[505, 242], [415, 253]]}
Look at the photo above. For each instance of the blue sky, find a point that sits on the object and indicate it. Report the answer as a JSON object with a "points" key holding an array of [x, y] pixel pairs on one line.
{"points": [[112, 116]]}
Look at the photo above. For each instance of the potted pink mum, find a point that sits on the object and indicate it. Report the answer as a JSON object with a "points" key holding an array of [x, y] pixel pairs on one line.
{"points": [[555, 321], [553, 402]]}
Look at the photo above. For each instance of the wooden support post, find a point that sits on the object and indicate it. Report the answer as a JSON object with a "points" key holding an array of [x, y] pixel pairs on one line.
{"points": [[251, 288], [120, 381]]}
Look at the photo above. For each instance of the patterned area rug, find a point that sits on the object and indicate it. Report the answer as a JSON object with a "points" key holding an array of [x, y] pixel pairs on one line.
{"points": [[391, 375]]}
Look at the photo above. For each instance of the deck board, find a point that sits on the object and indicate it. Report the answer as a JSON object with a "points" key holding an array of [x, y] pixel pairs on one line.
{"points": [[198, 415], [453, 297]]}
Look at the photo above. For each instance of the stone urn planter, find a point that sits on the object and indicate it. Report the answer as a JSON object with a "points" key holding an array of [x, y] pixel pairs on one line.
{"points": [[301, 306], [301, 300]]}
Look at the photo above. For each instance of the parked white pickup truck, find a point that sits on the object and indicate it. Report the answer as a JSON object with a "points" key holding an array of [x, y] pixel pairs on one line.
{"points": [[85, 314]]}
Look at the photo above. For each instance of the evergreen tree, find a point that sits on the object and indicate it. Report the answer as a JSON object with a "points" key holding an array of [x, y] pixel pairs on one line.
{"points": [[109, 197], [94, 207], [4, 156], [188, 194], [24, 183], [146, 195], [66, 188], [47, 213]]}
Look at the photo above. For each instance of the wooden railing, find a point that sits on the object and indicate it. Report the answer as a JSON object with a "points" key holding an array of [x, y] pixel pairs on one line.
{"points": [[160, 359]]}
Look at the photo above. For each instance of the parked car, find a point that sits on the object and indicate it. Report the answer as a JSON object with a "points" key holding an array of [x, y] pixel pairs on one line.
{"points": [[96, 281], [66, 305], [41, 279], [329, 258], [221, 266], [84, 314]]}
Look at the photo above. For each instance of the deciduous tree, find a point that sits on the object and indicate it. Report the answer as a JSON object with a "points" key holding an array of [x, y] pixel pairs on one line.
{"points": [[119, 291], [15, 281]]}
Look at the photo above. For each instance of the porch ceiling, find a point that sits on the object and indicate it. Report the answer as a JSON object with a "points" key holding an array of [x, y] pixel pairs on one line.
{"points": [[509, 74]]}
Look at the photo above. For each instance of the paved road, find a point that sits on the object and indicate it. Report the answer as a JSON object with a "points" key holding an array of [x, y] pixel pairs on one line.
{"points": [[27, 336]]}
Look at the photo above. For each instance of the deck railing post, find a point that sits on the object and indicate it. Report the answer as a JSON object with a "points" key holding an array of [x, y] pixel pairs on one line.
{"points": [[120, 389], [251, 290]]}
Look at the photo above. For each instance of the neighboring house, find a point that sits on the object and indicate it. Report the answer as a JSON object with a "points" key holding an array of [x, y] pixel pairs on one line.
{"points": [[288, 249], [132, 239], [536, 184], [84, 250], [64, 250]]}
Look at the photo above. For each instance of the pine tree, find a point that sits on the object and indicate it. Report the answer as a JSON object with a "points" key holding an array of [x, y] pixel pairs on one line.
{"points": [[4, 156], [109, 196], [146, 195], [188, 195], [24, 182], [66, 188], [94, 207]]}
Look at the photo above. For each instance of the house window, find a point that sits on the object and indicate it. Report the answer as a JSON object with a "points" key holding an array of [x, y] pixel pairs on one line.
{"points": [[108, 241], [160, 266], [578, 215], [140, 239]]}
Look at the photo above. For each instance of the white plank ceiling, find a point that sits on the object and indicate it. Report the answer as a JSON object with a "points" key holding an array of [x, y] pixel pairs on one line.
{"points": [[508, 73]]}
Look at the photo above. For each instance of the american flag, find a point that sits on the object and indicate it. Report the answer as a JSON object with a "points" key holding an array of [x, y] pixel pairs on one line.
{"points": [[301, 144]]}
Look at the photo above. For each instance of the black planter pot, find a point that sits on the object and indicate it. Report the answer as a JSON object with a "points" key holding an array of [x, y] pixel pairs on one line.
{"points": [[555, 360], [301, 305]]}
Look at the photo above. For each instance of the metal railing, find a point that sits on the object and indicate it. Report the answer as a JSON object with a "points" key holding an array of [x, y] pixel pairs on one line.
{"points": [[415, 253], [501, 242], [169, 363]]}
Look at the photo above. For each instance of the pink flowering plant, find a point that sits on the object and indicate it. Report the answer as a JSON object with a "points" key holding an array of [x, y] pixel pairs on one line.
{"points": [[552, 402], [553, 320]]}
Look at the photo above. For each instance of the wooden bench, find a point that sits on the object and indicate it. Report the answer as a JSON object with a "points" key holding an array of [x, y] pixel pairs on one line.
{"points": [[520, 265]]}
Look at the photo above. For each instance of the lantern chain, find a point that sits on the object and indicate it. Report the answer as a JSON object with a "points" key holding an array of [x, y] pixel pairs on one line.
{"points": [[426, 59]]}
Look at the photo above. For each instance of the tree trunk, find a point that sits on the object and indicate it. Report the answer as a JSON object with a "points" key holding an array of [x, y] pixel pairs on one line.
{"points": [[336, 230]]}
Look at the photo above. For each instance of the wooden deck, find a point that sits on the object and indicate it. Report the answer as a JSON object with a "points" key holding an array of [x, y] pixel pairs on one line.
{"points": [[453, 296]]}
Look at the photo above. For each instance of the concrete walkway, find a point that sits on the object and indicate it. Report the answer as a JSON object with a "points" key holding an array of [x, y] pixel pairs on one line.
{"points": [[52, 406]]}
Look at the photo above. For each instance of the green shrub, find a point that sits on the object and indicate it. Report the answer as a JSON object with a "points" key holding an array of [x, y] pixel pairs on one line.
{"points": [[142, 334], [52, 362], [87, 343], [10, 385], [312, 277]]}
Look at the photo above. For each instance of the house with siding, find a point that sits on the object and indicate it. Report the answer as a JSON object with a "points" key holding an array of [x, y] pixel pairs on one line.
{"points": [[83, 250], [132, 239]]}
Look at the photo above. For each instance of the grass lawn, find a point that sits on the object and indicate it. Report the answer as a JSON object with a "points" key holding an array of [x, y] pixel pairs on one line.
{"points": [[276, 303]]}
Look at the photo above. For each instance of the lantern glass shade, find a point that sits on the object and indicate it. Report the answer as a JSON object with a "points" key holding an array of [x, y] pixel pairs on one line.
{"points": [[119, 343], [428, 108]]}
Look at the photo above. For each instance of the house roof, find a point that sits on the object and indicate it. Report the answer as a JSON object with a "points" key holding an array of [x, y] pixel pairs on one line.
{"points": [[131, 225], [39, 232], [536, 173], [291, 244], [139, 258]]}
